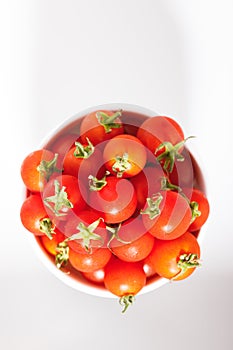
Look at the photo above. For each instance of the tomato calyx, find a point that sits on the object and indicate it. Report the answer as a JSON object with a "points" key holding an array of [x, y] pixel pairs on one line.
{"points": [[60, 200], [187, 261], [126, 301], [195, 210], [47, 168], [97, 184], [114, 231], [107, 121], [170, 154], [47, 227], [121, 164], [86, 234], [82, 151], [62, 256], [153, 206]]}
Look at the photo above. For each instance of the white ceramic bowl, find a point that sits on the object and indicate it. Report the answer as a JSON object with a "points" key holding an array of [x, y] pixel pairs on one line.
{"points": [[76, 281]]}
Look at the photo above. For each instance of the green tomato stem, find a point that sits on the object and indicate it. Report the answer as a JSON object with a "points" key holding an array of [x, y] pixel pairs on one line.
{"points": [[153, 206], [83, 151], [108, 122], [126, 301], [60, 200]]}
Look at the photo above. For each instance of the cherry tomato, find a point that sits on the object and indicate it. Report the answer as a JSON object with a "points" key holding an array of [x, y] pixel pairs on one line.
{"points": [[164, 137], [167, 215], [96, 276], [62, 194], [86, 231], [147, 183], [34, 217], [100, 126], [51, 244], [116, 201], [86, 262], [82, 160], [182, 174], [37, 168], [124, 279], [124, 155], [175, 259], [132, 242], [200, 206]]}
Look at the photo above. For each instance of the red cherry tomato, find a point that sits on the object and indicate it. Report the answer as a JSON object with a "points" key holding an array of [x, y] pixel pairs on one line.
{"points": [[86, 262], [132, 242], [157, 130], [167, 215], [99, 126], [116, 201], [34, 217], [124, 279], [147, 183], [96, 276], [51, 244], [124, 155], [200, 206], [175, 259], [37, 168], [62, 195], [83, 160], [86, 231], [164, 137]]}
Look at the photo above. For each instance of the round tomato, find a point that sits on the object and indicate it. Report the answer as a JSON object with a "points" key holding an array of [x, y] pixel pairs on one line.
{"points": [[86, 262], [85, 231], [34, 217], [147, 183], [96, 276], [200, 208], [164, 137], [124, 155], [37, 168], [51, 244], [116, 201], [83, 160], [124, 279], [62, 194], [167, 215], [175, 259], [132, 242], [100, 126]]}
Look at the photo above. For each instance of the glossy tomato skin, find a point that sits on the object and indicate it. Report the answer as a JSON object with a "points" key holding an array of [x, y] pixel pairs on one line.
{"points": [[130, 146], [200, 198], [140, 242], [32, 212], [159, 129], [124, 278], [32, 178], [81, 167], [86, 262], [182, 174], [147, 183], [86, 217], [51, 244], [91, 128], [174, 218], [74, 190], [165, 256], [96, 276], [116, 201], [62, 144]]}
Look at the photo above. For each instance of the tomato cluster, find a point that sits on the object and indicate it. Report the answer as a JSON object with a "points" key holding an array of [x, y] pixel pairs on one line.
{"points": [[117, 203]]}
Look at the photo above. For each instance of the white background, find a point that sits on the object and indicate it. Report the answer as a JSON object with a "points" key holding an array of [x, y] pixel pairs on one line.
{"points": [[59, 57]]}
